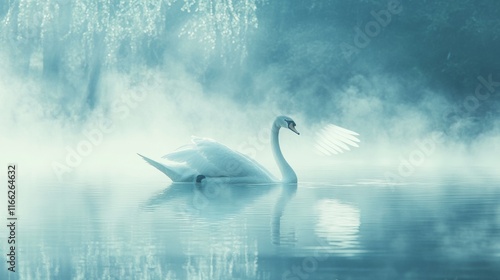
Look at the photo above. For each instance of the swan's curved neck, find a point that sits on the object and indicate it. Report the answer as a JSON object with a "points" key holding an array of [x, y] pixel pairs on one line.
{"points": [[287, 172]]}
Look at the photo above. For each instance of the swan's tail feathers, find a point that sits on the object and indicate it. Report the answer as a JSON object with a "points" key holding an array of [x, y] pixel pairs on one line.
{"points": [[173, 174]]}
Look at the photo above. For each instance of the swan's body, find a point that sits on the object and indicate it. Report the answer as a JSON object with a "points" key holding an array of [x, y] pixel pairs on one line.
{"points": [[207, 159]]}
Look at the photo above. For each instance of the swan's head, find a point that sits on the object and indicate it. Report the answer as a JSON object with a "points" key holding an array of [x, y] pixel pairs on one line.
{"points": [[286, 122]]}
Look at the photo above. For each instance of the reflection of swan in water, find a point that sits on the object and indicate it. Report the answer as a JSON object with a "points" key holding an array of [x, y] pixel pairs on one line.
{"points": [[210, 199], [338, 224], [209, 224], [217, 200], [207, 159], [287, 193]]}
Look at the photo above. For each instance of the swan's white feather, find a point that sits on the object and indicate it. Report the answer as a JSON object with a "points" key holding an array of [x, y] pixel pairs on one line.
{"points": [[334, 139], [206, 159], [211, 159]]}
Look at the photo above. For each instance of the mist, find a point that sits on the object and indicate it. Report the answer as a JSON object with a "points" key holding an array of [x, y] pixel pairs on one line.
{"points": [[85, 86]]}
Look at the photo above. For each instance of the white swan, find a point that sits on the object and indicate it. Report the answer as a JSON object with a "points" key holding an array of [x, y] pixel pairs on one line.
{"points": [[207, 159]]}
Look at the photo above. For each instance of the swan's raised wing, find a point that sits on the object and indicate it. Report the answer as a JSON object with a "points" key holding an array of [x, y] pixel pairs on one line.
{"points": [[212, 159], [332, 140]]}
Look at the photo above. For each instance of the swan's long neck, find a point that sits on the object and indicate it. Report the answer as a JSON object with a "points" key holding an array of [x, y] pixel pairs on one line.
{"points": [[287, 172]]}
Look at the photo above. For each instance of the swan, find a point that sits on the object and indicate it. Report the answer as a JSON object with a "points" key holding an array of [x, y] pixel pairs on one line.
{"points": [[206, 159]]}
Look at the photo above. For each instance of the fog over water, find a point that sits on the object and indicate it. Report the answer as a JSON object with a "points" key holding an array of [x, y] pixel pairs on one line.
{"points": [[86, 85], [157, 72]]}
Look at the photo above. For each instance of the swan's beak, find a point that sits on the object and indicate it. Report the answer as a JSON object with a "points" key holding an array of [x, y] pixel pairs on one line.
{"points": [[291, 126]]}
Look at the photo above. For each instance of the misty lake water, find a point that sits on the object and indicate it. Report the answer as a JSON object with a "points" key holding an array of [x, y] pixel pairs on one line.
{"points": [[85, 85], [353, 227]]}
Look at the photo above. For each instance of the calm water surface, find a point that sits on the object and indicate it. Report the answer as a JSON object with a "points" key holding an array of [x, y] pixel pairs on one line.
{"points": [[441, 227]]}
